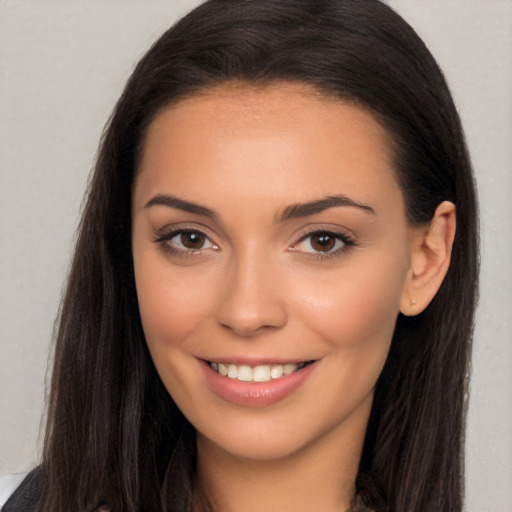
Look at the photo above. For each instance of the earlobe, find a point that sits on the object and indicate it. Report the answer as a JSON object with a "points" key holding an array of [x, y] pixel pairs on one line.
{"points": [[431, 249]]}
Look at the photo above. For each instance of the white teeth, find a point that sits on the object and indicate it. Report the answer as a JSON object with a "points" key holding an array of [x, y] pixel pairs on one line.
{"points": [[261, 373], [276, 371], [232, 371], [244, 373], [288, 369]]}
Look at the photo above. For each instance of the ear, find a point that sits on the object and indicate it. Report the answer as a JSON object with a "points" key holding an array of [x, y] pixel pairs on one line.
{"points": [[431, 249]]}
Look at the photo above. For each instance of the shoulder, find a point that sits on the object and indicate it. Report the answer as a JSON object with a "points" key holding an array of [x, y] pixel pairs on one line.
{"points": [[20, 493], [8, 484]]}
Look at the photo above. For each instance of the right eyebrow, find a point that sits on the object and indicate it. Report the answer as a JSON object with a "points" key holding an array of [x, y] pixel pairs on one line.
{"points": [[181, 204]]}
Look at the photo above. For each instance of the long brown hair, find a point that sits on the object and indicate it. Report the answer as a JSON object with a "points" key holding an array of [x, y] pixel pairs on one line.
{"points": [[113, 433]]}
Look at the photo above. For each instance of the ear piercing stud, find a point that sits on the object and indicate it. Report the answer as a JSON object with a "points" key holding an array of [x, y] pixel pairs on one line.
{"points": [[413, 302]]}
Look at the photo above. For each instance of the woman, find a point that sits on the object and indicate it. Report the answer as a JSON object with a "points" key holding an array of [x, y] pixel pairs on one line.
{"points": [[282, 195]]}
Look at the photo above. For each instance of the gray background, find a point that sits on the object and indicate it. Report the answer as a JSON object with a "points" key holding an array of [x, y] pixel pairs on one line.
{"points": [[63, 65]]}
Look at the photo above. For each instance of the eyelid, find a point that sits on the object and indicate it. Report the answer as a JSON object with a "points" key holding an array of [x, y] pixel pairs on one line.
{"points": [[347, 239], [165, 234]]}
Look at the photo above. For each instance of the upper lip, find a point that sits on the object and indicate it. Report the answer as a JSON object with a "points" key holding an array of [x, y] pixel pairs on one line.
{"points": [[256, 361]]}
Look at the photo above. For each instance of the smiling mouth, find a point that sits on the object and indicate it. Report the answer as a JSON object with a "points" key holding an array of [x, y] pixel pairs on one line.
{"points": [[260, 373]]}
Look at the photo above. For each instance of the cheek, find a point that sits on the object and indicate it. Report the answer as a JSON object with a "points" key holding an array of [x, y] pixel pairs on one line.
{"points": [[355, 316], [171, 310], [355, 308], [172, 307], [170, 302]]}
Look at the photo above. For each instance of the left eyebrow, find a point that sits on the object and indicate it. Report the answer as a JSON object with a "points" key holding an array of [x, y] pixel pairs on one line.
{"points": [[298, 210]]}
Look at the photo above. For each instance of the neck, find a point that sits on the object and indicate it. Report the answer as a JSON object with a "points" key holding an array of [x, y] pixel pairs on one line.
{"points": [[320, 476]]}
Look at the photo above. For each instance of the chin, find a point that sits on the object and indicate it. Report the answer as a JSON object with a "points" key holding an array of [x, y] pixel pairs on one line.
{"points": [[267, 446], [278, 435]]}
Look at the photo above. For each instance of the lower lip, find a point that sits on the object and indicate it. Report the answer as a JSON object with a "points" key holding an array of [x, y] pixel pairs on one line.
{"points": [[255, 393]]}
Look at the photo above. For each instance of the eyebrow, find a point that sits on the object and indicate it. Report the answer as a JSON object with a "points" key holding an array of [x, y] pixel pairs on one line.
{"points": [[293, 211], [298, 210], [181, 204]]}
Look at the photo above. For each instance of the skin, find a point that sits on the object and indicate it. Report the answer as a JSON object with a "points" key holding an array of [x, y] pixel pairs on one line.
{"points": [[258, 286]]}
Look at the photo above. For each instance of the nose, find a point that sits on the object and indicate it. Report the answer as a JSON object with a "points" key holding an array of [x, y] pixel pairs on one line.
{"points": [[254, 298]]}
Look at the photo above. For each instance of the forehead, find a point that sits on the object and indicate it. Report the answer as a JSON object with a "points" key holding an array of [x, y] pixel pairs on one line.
{"points": [[236, 104], [264, 141]]}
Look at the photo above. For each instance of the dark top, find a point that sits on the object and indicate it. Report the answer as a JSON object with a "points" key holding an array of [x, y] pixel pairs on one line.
{"points": [[25, 497]]}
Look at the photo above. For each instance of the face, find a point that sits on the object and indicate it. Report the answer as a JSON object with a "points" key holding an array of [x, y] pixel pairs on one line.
{"points": [[270, 244]]}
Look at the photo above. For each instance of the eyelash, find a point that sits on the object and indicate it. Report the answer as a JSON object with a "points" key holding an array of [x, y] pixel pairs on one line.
{"points": [[164, 236], [345, 239]]}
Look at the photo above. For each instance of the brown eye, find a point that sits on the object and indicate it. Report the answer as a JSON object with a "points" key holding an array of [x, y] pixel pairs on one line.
{"points": [[186, 241], [323, 242], [192, 240]]}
